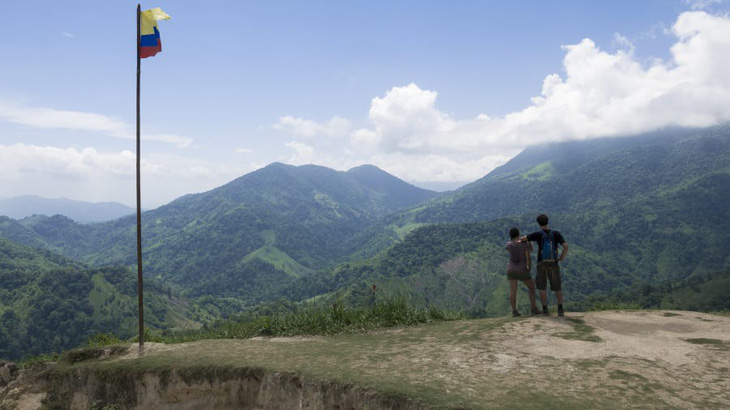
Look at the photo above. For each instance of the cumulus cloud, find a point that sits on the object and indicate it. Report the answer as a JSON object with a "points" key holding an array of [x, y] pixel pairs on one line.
{"points": [[599, 93], [91, 175], [337, 126], [50, 118], [304, 154]]}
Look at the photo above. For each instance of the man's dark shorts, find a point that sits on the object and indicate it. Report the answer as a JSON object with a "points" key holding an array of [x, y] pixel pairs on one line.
{"points": [[545, 271]]}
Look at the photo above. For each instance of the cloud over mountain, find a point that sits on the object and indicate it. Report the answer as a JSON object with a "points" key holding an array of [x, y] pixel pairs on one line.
{"points": [[599, 93]]}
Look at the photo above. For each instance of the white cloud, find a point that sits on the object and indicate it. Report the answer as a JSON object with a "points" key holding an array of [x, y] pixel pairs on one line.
{"points": [[50, 118], [622, 42], [600, 93], [304, 154], [67, 34], [19, 160], [87, 174], [300, 127]]}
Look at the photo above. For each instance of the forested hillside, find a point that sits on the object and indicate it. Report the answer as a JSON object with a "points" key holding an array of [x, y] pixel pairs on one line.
{"points": [[243, 239], [643, 215], [49, 303], [577, 176]]}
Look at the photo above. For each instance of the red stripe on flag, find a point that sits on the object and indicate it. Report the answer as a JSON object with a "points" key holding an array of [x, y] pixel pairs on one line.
{"points": [[145, 52]]}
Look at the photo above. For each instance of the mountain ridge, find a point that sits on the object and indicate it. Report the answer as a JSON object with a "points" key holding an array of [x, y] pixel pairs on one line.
{"points": [[266, 226], [23, 206], [644, 216]]}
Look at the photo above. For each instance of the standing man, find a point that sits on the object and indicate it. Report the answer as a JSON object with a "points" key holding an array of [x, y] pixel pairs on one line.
{"points": [[547, 262]]}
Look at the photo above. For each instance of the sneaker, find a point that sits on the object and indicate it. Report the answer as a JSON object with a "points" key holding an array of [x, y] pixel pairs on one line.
{"points": [[545, 311], [515, 313], [535, 311], [560, 312]]}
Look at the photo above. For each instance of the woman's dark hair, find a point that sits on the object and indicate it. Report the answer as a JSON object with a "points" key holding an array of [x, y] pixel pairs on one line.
{"points": [[542, 220], [513, 233]]}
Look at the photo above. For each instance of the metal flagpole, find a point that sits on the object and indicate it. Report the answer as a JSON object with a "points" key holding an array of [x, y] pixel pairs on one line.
{"points": [[139, 194]]}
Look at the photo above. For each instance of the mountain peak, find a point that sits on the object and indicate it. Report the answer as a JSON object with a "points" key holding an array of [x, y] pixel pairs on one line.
{"points": [[366, 168]]}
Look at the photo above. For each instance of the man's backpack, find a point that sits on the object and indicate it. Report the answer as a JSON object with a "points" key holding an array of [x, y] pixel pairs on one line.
{"points": [[549, 249]]}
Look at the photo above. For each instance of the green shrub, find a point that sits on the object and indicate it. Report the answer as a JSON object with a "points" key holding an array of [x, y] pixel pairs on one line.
{"points": [[334, 319], [103, 339]]}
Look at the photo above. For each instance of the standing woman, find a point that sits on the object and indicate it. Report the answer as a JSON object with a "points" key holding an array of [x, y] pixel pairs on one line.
{"points": [[518, 268]]}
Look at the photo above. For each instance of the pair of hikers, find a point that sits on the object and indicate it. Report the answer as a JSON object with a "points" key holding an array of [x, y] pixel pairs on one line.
{"points": [[520, 264]]}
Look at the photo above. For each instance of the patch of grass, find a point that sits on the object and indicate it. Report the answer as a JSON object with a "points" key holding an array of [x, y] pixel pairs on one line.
{"points": [[670, 314], [335, 319], [627, 376], [716, 343], [581, 331], [278, 259], [703, 341], [601, 306], [103, 339], [92, 353], [29, 362], [541, 172]]}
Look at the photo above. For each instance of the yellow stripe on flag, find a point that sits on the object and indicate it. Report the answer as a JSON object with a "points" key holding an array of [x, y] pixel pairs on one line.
{"points": [[149, 18]]}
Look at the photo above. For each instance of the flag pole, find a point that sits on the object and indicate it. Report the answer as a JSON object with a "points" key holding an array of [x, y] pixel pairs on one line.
{"points": [[139, 192]]}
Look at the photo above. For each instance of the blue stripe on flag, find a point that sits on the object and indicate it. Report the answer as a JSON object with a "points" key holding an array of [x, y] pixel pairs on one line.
{"points": [[150, 40]]}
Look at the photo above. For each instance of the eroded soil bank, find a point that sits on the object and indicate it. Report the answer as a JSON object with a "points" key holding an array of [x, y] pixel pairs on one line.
{"points": [[201, 388]]}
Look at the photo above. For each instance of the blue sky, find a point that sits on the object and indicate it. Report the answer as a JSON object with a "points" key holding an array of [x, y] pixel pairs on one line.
{"points": [[437, 93]]}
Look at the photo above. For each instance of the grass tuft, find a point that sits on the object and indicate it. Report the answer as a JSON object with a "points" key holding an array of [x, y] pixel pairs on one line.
{"points": [[29, 362], [91, 353], [703, 341], [334, 319], [717, 343], [601, 306], [103, 339]]}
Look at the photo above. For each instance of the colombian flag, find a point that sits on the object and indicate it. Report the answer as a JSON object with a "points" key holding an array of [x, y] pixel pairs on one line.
{"points": [[149, 42]]}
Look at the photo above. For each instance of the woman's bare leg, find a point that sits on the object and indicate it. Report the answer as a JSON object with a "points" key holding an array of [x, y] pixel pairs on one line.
{"points": [[530, 291], [513, 294]]}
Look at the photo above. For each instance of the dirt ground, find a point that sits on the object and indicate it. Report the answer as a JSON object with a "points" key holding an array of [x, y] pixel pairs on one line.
{"points": [[610, 359], [632, 358], [673, 359]]}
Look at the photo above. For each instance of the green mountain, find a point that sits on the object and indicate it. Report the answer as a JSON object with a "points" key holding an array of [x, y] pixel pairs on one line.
{"points": [[242, 239], [575, 176], [643, 215], [49, 303]]}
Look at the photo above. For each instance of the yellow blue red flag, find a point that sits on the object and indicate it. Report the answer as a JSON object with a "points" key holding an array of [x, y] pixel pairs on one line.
{"points": [[149, 41]]}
